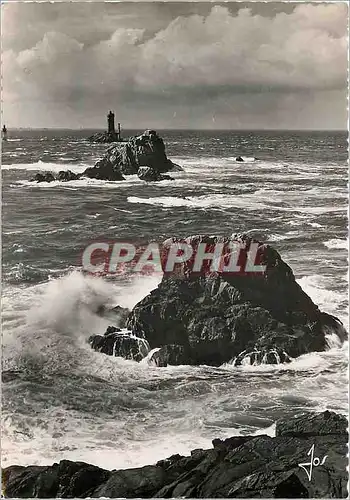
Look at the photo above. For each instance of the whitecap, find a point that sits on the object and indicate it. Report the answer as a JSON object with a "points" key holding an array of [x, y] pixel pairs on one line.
{"points": [[46, 167], [219, 200], [337, 244]]}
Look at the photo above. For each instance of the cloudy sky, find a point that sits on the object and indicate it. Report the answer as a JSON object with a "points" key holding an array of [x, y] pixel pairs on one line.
{"points": [[175, 65]]}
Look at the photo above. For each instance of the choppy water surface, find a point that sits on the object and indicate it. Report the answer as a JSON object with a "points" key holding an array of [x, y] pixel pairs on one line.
{"points": [[61, 399]]}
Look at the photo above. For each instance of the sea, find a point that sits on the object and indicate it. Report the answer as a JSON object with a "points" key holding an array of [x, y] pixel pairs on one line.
{"points": [[61, 399]]}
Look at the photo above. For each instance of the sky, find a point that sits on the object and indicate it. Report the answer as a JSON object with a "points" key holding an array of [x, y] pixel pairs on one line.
{"points": [[171, 65]]}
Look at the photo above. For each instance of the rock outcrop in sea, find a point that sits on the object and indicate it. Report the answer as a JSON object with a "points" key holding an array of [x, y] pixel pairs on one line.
{"points": [[146, 150], [62, 176], [240, 317], [238, 467], [111, 135], [149, 174], [120, 343], [104, 137], [143, 155]]}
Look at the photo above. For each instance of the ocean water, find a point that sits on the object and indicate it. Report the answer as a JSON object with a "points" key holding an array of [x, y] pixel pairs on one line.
{"points": [[61, 400]]}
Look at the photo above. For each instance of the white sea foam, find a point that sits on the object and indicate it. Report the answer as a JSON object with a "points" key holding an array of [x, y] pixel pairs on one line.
{"points": [[147, 359], [93, 216], [162, 411], [259, 200], [337, 244], [316, 361], [47, 326], [287, 236], [284, 195], [219, 200], [83, 182], [58, 316], [315, 224], [261, 169], [322, 209], [246, 159], [85, 442], [329, 300], [47, 167]]}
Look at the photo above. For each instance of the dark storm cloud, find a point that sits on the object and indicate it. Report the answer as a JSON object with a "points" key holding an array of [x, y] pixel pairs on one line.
{"points": [[175, 64]]}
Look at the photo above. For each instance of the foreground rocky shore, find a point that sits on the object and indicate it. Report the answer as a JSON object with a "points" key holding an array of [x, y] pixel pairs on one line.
{"points": [[220, 317], [238, 467]]}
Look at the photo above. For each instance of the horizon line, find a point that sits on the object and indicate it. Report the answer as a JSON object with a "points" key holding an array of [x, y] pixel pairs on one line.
{"points": [[191, 129]]}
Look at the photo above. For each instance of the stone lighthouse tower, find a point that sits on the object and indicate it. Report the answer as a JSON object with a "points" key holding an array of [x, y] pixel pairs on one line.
{"points": [[111, 126], [115, 136]]}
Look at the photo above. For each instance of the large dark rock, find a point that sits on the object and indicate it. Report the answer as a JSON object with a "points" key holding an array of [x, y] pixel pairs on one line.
{"points": [[238, 467], [133, 483], [121, 343], [324, 424], [218, 316], [65, 480], [146, 150], [143, 155]]}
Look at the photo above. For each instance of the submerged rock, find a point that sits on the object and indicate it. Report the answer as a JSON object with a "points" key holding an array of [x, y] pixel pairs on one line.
{"points": [[146, 150], [238, 467], [237, 317]]}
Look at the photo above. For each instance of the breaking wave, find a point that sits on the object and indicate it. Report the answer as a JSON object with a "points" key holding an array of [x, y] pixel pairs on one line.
{"points": [[176, 409], [337, 244]]}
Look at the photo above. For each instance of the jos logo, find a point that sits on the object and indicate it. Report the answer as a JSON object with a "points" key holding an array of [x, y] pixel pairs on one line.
{"points": [[314, 462]]}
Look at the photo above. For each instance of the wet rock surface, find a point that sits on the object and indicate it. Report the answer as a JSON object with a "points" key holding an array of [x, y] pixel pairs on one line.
{"points": [[104, 137], [104, 170], [67, 175], [143, 155], [44, 177], [238, 467], [146, 150], [169, 355], [148, 174], [118, 342], [62, 176], [244, 317]]}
